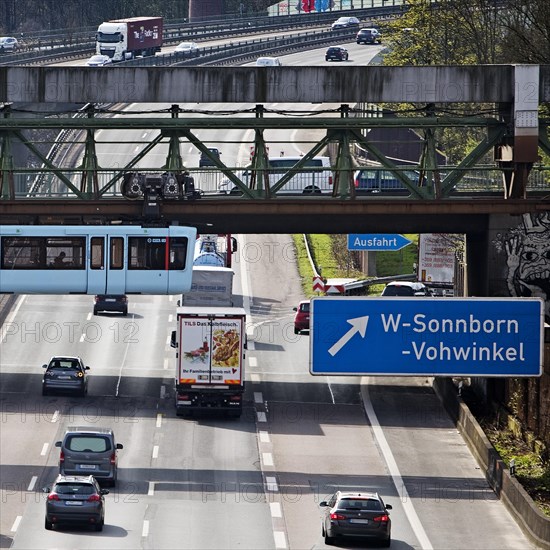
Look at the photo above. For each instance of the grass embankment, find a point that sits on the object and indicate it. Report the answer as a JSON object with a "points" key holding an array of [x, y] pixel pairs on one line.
{"points": [[329, 253]]}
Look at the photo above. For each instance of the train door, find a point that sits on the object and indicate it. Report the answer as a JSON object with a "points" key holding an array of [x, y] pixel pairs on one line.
{"points": [[97, 274], [148, 258], [116, 272]]}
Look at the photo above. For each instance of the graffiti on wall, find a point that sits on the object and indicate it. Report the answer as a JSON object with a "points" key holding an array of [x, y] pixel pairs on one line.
{"points": [[527, 250]]}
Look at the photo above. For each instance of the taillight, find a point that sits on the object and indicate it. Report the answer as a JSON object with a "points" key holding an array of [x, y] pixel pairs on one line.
{"points": [[383, 518], [330, 180], [357, 182], [94, 498], [96, 299], [235, 398], [183, 397], [337, 516], [53, 496], [61, 457], [125, 298], [113, 459]]}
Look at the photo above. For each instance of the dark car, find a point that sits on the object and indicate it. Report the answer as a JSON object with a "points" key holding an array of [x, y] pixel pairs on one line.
{"points": [[75, 500], [356, 515], [336, 53], [89, 451], [405, 288], [345, 23], [207, 161], [111, 302], [301, 319], [65, 374], [368, 36]]}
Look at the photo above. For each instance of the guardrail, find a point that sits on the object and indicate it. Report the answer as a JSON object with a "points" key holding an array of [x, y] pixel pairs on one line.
{"points": [[45, 47]]}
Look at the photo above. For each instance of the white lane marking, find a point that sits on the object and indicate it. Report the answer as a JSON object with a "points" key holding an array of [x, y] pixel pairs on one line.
{"points": [[267, 459], [156, 451], [258, 397], [126, 349], [166, 362], [251, 345], [264, 436], [271, 483], [275, 510], [159, 420], [245, 284], [255, 377], [81, 339], [170, 318], [330, 390], [16, 523], [144, 135], [168, 339], [34, 479], [280, 539], [410, 512], [252, 362], [44, 449], [89, 316], [55, 417], [261, 417], [151, 490], [163, 391], [145, 530]]}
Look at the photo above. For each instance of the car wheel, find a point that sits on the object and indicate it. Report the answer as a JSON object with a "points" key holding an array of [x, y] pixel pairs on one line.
{"points": [[386, 543], [99, 526], [95, 311], [296, 331], [48, 525], [125, 313], [328, 539]]}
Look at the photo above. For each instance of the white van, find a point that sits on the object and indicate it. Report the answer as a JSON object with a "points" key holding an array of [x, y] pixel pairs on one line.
{"points": [[268, 62], [315, 177]]}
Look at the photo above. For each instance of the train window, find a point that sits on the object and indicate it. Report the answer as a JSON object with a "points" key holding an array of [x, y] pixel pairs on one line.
{"points": [[178, 252], [65, 252], [22, 253], [147, 253], [98, 253], [117, 253]]}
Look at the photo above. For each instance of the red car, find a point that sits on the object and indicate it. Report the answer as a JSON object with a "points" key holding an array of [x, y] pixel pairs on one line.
{"points": [[301, 319]]}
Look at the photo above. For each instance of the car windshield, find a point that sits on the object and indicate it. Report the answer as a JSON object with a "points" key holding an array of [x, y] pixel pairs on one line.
{"points": [[360, 504], [64, 364], [74, 489], [91, 444]]}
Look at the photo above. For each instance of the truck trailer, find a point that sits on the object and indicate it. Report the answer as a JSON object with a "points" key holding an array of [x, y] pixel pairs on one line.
{"points": [[210, 340], [123, 39]]}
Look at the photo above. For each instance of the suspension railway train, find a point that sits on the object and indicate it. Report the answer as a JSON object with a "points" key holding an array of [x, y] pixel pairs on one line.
{"points": [[102, 259]]}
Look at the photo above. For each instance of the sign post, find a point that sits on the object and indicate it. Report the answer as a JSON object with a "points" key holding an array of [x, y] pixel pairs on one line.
{"points": [[389, 336]]}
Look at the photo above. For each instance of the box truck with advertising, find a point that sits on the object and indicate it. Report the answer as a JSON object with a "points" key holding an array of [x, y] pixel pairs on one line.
{"points": [[210, 339]]}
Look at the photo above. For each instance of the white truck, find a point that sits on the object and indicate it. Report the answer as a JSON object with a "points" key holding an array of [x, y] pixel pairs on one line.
{"points": [[123, 39], [210, 340]]}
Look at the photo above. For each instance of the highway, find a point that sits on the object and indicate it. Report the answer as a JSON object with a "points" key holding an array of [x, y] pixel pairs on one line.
{"points": [[210, 483], [214, 483]]}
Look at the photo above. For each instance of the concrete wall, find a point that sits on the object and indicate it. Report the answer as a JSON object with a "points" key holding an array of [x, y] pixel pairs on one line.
{"points": [[534, 524]]}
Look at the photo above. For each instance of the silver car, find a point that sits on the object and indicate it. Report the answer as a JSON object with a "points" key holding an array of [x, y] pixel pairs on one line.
{"points": [[75, 500], [89, 451], [8, 44], [65, 374]]}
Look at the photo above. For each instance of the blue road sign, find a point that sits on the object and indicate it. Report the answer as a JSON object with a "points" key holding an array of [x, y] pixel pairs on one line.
{"points": [[427, 336], [377, 242]]}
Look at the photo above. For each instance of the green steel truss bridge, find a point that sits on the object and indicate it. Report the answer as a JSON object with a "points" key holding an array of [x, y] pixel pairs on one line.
{"points": [[499, 105]]}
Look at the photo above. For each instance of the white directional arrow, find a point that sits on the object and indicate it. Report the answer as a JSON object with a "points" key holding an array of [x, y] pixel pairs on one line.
{"points": [[359, 324]]}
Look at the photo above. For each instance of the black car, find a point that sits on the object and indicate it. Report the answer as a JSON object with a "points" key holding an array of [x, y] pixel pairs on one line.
{"points": [[356, 515], [338, 53], [65, 374], [205, 160], [75, 500], [111, 302], [368, 36]]}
